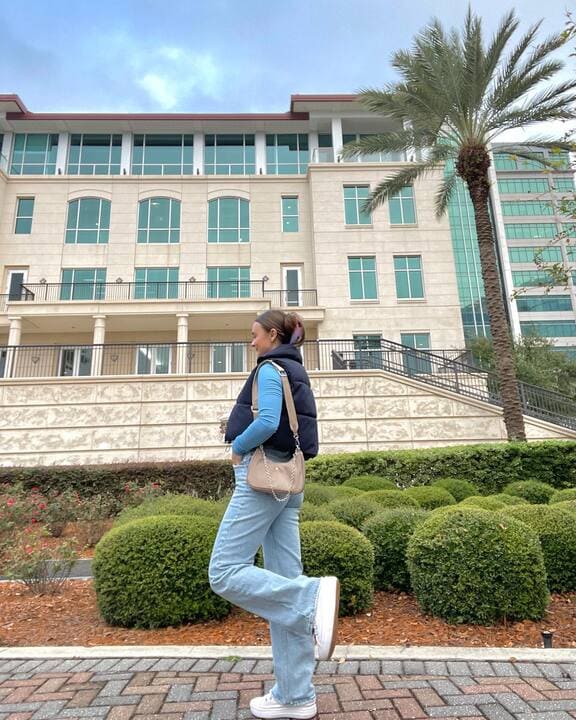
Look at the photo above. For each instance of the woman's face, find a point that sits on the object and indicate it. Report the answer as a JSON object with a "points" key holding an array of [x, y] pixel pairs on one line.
{"points": [[264, 340]]}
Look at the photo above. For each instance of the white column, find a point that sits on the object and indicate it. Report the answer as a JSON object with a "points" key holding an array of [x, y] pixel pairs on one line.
{"points": [[62, 153], [260, 152], [410, 154], [14, 338], [126, 154], [313, 147], [98, 341], [198, 153], [337, 139], [6, 151], [182, 339]]}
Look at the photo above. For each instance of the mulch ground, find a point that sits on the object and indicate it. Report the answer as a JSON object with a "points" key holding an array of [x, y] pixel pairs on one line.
{"points": [[72, 618]]}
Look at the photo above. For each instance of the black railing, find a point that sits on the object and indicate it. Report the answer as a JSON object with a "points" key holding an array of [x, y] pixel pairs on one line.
{"points": [[444, 369], [138, 291]]}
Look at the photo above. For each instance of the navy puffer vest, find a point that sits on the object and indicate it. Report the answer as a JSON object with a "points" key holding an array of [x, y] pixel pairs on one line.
{"points": [[288, 357]]}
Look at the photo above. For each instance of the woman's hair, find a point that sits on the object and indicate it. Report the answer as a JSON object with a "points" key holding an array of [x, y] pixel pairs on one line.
{"points": [[288, 325]]}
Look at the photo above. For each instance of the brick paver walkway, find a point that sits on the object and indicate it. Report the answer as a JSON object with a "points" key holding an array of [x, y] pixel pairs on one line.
{"points": [[202, 689]]}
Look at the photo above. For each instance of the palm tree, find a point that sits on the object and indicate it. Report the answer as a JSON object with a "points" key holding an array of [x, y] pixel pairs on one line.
{"points": [[456, 94]]}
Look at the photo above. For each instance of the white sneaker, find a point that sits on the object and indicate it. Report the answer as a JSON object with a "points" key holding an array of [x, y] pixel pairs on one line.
{"points": [[326, 617], [266, 707]]}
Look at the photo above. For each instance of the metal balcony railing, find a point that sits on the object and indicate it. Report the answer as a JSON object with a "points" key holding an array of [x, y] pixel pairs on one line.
{"points": [[444, 369]]}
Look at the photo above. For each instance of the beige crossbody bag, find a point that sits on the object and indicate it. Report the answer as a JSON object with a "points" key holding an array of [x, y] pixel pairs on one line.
{"points": [[276, 476]]}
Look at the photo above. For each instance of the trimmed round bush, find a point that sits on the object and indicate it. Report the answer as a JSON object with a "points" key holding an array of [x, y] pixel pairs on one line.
{"points": [[459, 489], [557, 532], [537, 493], [339, 491], [153, 572], [569, 505], [391, 498], [353, 511], [508, 499], [430, 497], [172, 505], [309, 512], [562, 495], [370, 482], [482, 502], [468, 566], [330, 548], [389, 532], [318, 494]]}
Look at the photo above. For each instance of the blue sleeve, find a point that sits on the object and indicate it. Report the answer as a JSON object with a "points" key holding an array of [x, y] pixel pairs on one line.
{"points": [[269, 410]]}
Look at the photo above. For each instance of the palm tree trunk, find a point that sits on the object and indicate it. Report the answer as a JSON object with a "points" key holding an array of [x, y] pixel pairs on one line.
{"points": [[473, 166]]}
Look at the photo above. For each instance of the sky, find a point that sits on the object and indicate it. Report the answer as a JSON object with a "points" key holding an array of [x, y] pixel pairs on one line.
{"points": [[215, 56]]}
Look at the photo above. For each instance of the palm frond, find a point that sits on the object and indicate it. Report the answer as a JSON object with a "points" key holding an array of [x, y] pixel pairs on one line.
{"points": [[444, 193]]}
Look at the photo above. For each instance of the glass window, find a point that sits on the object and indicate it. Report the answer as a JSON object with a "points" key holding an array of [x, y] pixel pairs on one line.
{"points": [[325, 149], [530, 278], [159, 220], [563, 183], [367, 352], [88, 221], [153, 360], [228, 357], [290, 221], [163, 155], [34, 154], [362, 278], [401, 206], [75, 361], [544, 303], [372, 157], [156, 283], [408, 272], [559, 158], [287, 154], [505, 161], [228, 220], [569, 229], [527, 254], [559, 328], [354, 198], [530, 231], [228, 282], [416, 363], [229, 155], [527, 207], [83, 284], [24, 213], [94, 155], [517, 185]]}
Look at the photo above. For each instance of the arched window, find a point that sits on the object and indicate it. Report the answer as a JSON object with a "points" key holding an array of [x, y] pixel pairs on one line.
{"points": [[88, 221], [159, 220], [228, 220]]}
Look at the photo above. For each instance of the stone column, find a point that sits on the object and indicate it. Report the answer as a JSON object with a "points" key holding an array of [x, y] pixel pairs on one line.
{"points": [[198, 153], [98, 341], [337, 138], [260, 153], [182, 339], [14, 338], [62, 153]]}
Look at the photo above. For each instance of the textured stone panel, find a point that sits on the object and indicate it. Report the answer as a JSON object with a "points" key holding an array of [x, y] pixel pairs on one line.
{"points": [[430, 406], [124, 438], [206, 453], [118, 392], [345, 431], [341, 386], [22, 417], [202, 435], [163, 391], [384, 431], [49, 394], [159, 436], [463, 428], [340, 408], [469, 409], [208, 411], [538, 432], [209, 389], [43, 440], [385, 407], [378, 385], [168, 413], [162, 454]]}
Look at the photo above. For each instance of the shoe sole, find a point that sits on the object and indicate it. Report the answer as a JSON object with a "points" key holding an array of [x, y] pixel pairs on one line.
{"points": [[286, 716], [334, 638]]}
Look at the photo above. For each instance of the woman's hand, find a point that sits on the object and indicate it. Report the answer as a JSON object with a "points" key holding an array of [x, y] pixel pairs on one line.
{"points": [[236, 459]]}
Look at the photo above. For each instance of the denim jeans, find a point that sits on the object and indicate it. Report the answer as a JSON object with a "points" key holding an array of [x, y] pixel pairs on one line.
{"points": [[279, 593]]}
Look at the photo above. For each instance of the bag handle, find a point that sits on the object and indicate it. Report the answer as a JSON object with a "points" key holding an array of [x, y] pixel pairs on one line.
{"points": [[290, 407]]}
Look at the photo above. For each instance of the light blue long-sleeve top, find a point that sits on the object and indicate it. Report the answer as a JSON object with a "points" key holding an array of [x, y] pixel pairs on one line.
{"points": [[267, 421]]}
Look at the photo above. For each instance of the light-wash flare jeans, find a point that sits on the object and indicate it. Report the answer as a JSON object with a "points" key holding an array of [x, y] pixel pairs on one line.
{"points": [[279, 593]]}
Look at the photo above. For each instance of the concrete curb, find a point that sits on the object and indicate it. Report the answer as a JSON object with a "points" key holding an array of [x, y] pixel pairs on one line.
{"points": [[342, 652]]}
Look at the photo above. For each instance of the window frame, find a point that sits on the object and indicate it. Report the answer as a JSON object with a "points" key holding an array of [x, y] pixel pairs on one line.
{"points": [[210, 167], [19, 217], [186, 141], [398, 197], [239, 229], [145, 284], [284, 216], [409, 272], [49, 159], [155, 348], [229, 348], [102, 233], [358, 211], [171, 230], [243, 285], [97, 285], [77, 351], [115, 141], [363, 299], [300, 164]]}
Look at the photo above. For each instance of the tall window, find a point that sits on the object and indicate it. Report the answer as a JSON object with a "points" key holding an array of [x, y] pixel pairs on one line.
{"points": [[75, 361], [528, 254], [325, 149], [527, 207], [530, 278], [228, 357], [88, 221], [163, 155], [505, 161], [229, 155], [228, 220], [527, 185], [290, 221], [228, 282], [408, 272], [354, 198], [153, 360], [159, 220], [94, 155], [522, 231], [367, 352], [83, 284], [156, 283], [24, 213], [544, 303], [287, 154], [401, 207], [362, 278], [415, 363], [34, 154]]}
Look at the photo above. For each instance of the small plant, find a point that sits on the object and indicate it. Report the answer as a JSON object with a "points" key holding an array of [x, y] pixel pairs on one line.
{"points": [[459, 489], [59, 508], [563, 495], [353, 511], [391, 498], [538, 493], [134, 494], [482, 502], [370, 482], [430, 497], [95, 513]]}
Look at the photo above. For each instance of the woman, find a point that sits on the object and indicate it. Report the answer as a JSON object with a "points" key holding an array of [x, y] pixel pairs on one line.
{"points": [[301, 610]]}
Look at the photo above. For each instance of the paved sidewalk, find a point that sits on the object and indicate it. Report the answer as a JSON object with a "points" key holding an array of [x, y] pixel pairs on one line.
{"points": [[471, 685]]}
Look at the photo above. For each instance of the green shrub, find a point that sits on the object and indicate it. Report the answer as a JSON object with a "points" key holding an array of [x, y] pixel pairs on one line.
{"points": [[330, 548], [171, 505], [389, 532], [154, 572], [309, 512], [557, 532], [505, 499], [391, 498], [318, 494], [370, 482], [430, 497], [537, 493], [467, 566], [339, 491], [562, 495], [353, 511], [482, 502], [569, 505], [459, 489]]}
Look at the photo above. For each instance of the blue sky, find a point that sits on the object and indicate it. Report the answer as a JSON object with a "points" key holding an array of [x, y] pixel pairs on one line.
{"points": [[216, 55]]}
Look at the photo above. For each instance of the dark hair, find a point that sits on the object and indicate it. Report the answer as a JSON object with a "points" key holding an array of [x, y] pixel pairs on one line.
{"points": [[288, 325]]}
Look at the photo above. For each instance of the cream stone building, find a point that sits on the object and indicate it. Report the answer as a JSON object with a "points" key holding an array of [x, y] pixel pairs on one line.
{"points": [[136, 250]]}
